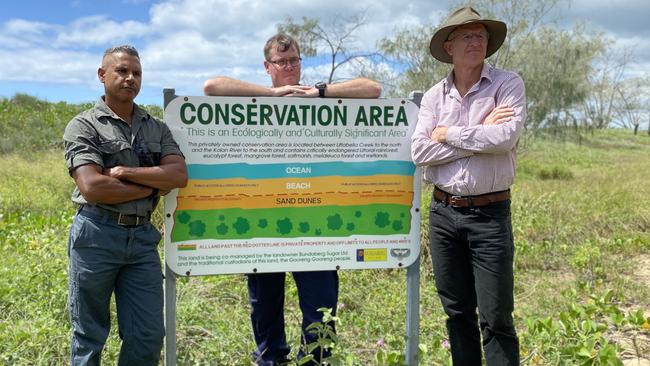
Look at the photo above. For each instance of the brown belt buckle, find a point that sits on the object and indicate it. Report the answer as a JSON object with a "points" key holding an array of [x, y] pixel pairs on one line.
{"points": [[455, 201]]}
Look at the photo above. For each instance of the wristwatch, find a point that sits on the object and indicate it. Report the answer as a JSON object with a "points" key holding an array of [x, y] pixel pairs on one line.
{"points": [[321, 86]]}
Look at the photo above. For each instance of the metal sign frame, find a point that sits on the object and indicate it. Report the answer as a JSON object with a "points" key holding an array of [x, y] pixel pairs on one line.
{"points": [[412, 288]]}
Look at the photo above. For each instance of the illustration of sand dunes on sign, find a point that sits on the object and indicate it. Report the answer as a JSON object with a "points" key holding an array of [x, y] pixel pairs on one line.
{"points": [[242, 201]]}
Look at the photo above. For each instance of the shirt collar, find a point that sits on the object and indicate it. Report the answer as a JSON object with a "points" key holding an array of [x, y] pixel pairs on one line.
{"points": [[486, 73], [102, 110]]}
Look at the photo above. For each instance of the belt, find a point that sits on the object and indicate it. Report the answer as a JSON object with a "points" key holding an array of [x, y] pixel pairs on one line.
{"points": [[119, 218], [470, 201]]}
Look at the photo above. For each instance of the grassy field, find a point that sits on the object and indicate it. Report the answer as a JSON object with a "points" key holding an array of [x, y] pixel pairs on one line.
{"points": [[581, 216]]}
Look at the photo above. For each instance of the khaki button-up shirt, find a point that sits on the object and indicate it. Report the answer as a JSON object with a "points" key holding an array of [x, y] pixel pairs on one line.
{"points": [[98, 136]]}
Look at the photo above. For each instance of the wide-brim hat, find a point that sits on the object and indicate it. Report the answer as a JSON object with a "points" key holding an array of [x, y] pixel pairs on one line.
{"points": [[463, 16]]}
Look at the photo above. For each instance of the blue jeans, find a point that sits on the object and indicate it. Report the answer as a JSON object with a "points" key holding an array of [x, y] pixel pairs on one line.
{"points": [[266, 294], [107, 258], [472, 254]]}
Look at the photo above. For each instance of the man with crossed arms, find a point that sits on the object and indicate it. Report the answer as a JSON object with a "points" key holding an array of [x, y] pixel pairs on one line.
{"points": [[468, 127], [122, 161]]}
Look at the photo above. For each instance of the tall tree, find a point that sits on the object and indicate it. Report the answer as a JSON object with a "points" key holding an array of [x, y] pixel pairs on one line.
{"points": [[335, 39], [409, 49], [632, 108], [553, 63], [605, 81], [555, 66]]}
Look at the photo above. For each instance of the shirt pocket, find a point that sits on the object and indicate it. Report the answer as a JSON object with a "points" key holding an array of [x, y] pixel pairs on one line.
{"points": [[480, 109], [155, 149], [116, 152]]}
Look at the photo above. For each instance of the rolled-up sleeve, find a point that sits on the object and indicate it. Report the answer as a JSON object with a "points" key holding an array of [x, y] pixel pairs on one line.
{"points": [[80, 145], [168, 145], [499, 138]]}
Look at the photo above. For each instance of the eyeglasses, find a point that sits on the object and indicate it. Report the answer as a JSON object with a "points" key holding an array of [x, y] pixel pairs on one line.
{"points": [[293, 62], [482, 37]]}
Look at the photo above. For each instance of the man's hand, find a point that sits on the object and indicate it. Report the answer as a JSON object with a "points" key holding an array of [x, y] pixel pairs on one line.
{"points": [[291, 91], [499, 115], [308, 92], [116, 172], [439, 134]]}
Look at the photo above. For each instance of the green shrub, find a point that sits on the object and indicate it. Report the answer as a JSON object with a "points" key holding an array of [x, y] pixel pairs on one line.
{"points": [[555, 172]]}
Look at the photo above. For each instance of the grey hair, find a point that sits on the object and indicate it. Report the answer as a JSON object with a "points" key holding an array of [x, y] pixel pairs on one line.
{"points": [[128, 49]]}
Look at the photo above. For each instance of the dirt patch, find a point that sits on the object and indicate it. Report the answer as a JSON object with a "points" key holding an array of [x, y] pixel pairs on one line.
{"points": [[635, 344], [635, 347], [637, 362], [643, 273]]}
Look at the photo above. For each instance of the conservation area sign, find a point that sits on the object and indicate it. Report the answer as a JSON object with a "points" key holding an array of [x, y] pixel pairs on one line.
{"points": [[292, 184]]}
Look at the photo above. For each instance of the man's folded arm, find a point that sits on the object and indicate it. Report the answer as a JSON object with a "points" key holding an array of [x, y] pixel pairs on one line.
{"points": [[96, 187], [494, 138], [425, 150], [355, 88], [225, 86], [170, 174]]}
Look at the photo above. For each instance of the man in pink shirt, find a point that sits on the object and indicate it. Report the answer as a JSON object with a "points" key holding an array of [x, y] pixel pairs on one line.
{"points": [[468, 127]]}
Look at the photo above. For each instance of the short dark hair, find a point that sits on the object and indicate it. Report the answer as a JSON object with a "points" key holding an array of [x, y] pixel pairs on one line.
{"points": [[282, 43], [128, 49]]}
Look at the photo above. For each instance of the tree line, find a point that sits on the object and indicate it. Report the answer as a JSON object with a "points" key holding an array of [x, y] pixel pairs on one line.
{"points": [[575, 78]]}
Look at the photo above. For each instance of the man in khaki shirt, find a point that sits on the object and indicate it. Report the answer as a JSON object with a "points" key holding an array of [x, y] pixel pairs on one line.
{"points": [[122, 160]]}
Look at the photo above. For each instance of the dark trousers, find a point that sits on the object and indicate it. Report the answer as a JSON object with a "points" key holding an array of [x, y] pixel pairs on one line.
{"points": [[104, 259], [472, 254], [266, 294]]}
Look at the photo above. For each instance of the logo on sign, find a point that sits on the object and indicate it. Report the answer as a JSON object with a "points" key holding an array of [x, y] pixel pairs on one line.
{"points": [[372, 255], [400, 253]]}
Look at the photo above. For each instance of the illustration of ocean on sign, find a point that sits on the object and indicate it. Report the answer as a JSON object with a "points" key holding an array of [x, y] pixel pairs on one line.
{"points": [[283, 184]]}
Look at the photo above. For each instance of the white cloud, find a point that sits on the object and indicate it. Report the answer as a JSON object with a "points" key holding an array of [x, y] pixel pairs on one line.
{"points": [[216, 19], [19, 33], [20, 26], [184, 42], [46, 65], [100, 30]]}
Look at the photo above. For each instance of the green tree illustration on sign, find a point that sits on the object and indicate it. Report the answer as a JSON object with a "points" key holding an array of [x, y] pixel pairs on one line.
{"points": [[197, 228], [303, 227], [241, 225], [382, 219], [397, 225], [334, 222], [284, 226], [184, 217], [222, 229]]}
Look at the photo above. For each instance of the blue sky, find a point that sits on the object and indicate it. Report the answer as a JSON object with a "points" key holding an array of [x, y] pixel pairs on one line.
{"points": [[51, 49], [57, 11]]}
